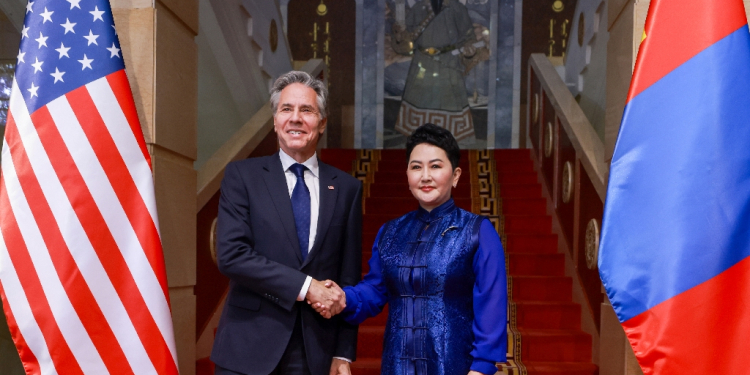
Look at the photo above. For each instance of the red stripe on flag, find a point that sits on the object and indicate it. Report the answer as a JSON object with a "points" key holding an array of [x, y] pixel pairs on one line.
{"points": [[120, 86], [60, 352], [76, 288], [677, 30], [119, 177], [104, 244], [30, 363], [696, 332]]}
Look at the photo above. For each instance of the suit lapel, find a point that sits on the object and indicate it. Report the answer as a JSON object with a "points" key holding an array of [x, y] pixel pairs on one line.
{"points": [[327, 204], [277, 188]]}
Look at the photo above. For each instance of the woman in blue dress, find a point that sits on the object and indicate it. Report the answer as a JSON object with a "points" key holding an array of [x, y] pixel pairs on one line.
{"points": [[441, 270]]}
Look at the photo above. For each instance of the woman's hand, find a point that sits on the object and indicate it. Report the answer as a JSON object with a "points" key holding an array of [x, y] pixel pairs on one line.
{"points": [[475, 373]]}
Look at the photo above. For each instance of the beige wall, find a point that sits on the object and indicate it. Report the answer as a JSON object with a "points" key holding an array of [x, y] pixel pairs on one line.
{"points": [[626, 20], [157, 39]]}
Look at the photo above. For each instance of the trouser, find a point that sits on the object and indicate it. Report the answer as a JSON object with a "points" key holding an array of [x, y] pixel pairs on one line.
{"points": [[293, 361]]}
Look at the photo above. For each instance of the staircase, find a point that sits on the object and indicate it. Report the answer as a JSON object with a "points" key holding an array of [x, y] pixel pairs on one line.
{"points": [[547, 320]]}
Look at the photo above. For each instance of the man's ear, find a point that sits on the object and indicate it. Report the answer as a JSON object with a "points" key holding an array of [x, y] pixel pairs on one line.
{"points": [[322, 126]]}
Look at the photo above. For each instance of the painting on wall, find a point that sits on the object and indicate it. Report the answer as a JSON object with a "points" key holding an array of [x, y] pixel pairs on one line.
{"points": [[436, 68]]}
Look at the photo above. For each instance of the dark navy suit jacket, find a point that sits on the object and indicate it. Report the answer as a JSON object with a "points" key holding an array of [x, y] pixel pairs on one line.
{"points": [[259, 251]]}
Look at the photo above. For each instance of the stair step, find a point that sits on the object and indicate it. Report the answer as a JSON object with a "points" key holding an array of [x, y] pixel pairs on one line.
{"points": [[370, 342], [340, 158], [512, 154], [530, 190], [517, 178], [529, 264], [561, 368], [525, 206], [542, 288], [531, 243], [366, 366], [515, 166], [527, 224], [548, 315], [555, 345]]}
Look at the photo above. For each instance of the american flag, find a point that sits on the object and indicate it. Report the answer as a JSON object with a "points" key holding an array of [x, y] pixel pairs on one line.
{"points": [[82, 273]]}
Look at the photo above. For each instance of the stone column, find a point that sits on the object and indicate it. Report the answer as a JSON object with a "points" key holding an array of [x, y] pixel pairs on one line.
{"points": [[157, 38], [625, 23]]}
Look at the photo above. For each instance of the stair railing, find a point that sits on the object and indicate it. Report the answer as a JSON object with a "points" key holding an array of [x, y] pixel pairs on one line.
{"points": [[570, 160]]}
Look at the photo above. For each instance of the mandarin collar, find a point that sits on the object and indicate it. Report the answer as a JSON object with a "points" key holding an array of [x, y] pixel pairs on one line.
{"points": [[437, 212]]}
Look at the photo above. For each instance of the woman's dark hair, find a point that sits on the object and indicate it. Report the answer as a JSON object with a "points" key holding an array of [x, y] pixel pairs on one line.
{"points": [[436, 136]]}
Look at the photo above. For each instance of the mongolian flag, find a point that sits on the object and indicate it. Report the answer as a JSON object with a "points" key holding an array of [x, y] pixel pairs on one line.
{"points": [[676, 228], [82, 273]]}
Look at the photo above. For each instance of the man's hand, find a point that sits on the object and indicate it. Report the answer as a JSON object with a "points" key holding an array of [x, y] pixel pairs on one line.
{"points": [[339, 367], [326, 298]]}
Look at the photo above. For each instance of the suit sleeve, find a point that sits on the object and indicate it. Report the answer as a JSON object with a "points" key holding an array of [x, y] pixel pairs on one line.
{"points": [[351, 273], [236, 256]]}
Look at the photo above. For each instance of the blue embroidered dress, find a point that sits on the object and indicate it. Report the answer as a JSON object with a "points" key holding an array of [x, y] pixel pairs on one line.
{"points": [[442, 274]]}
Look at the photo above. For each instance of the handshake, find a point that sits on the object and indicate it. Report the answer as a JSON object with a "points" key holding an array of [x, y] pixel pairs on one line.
{"points": [[326, 297]]}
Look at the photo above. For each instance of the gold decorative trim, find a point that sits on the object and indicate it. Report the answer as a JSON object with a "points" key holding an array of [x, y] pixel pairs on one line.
{"points": [[549, 139], [485, 199], [592, 244], [212, 238], [567, 182], [535, 108], [364, 168]]}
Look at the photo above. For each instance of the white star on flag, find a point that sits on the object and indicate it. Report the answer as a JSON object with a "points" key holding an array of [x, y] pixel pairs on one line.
{"points": [[28, 7], [42, 40], [114, 51], [20, 57], [37, 65], [33, 90], [63, 51], [58, 75], [97, 14], [25, 32], [91, 38], [68, 26], [47, 15], [86, 62], [74, 4]]}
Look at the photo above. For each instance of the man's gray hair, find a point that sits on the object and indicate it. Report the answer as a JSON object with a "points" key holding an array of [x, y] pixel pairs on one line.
{"points": [[296, 76]]}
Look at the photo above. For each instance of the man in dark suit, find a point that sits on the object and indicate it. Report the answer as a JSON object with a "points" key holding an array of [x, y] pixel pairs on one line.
{"points": [[288, 223]]}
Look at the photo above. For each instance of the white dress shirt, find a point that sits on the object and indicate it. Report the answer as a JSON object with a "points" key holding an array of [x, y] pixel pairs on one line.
{"points": [[312, 180]]}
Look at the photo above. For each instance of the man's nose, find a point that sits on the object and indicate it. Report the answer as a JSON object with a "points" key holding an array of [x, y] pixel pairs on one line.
{"points": [[296, 115]]}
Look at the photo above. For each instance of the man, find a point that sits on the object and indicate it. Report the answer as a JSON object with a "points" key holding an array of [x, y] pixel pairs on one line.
{"points": [[285, 222]]}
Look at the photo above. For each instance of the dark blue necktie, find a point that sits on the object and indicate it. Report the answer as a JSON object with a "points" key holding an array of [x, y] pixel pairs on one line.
{"points": [[301, 208]]}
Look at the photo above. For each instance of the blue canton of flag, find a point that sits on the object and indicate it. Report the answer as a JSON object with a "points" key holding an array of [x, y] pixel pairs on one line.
{"points": [[65, 45]]}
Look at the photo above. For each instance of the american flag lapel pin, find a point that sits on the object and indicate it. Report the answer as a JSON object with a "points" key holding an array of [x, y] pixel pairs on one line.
{"points": [[330, 187]]}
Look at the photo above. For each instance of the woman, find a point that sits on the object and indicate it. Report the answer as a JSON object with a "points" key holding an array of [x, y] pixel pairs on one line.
{"points": [[442, 272]]}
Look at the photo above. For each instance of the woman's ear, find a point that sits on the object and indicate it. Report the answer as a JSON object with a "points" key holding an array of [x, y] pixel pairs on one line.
{"points": [[456, 176]]}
